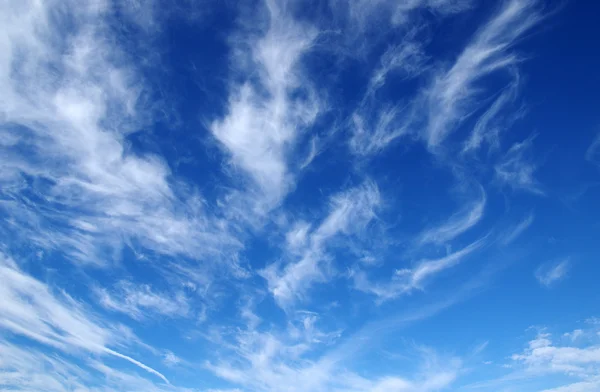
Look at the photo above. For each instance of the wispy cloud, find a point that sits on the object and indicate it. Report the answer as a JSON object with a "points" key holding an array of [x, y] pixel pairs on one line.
{"points": [[30, 309], [408, 279], [551, 273], [457, 224], [493, 121], [450, 98], [290, 360], [267, 113], [140, 301], [516, 168], [350, 212], [516, 231], [70, 100], [593, 152], [28, 368]]}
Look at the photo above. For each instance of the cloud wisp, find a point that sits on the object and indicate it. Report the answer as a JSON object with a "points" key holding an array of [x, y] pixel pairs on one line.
{"points": [[406, 280], [450, 98], [267, 113], [457, 224], [70, 183], [30, 309], [350, 212], [551, 273]]}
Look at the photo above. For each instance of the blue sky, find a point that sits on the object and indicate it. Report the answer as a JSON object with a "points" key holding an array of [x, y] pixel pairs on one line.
{"points": [[285, 195]]}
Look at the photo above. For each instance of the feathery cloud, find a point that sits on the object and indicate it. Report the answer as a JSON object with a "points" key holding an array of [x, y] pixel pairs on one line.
{"points": [[70, 100], [408, 279], [593, 152], [139, 301], [350, 212], [514, 233], [551, 273], [457, 224], [267, 113], [30, 309], [450, 98], [516, 169]]}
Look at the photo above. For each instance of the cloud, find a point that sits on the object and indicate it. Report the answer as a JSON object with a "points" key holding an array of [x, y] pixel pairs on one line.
{"points": [[375, 123], [292, 360], [171, 359], [576, 334], [415, 278], [583, 386], [457, 224], [549, 274], [491, 123], [367, 16], [516, 170], [28, 368], [593, 152], [542, 357], [451, 96], [350, 212], [577, 362], [30, 309], [139, 301], [514, 233], [267, 114], [71, 98]]}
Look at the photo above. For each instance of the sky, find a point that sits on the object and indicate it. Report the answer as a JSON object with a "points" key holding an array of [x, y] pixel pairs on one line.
{"points": [[299, 195]]}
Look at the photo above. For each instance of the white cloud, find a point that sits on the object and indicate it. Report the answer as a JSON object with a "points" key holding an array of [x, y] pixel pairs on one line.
{"points": [[551, 273], [451, 96], [591, 385], [491, 124], [266, 115], [457, 224], [576, 334], [543, 357], [30, 309], [171, 359], [292, 361], [409, 279], [70, 99], [593, 152], [576, 361], [366, 16], [375, 124], [350, 212], [514, 233], [139, 301], [516, 169]]}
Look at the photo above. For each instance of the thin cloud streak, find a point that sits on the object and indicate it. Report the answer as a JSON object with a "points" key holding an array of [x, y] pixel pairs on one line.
{"points": [[517, 230], [407, 280], [457, 224], [550, 274], [450, 98], [30, 309]]}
